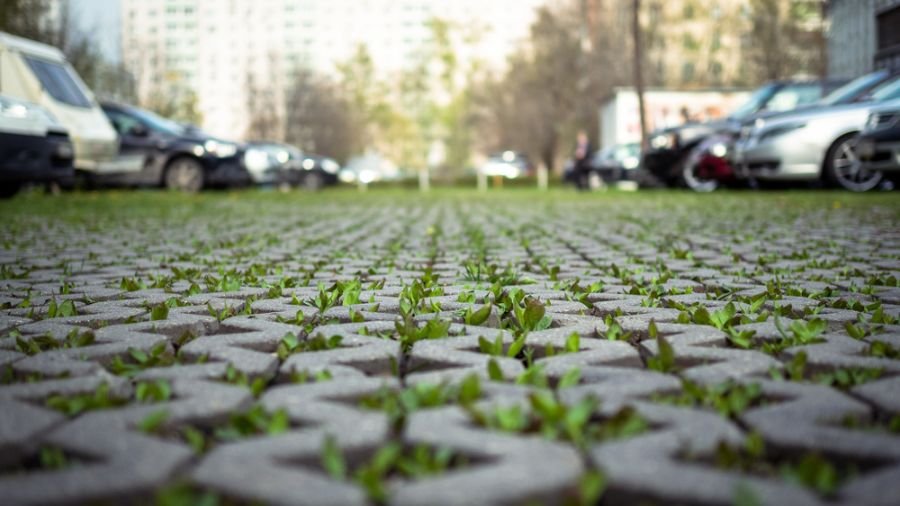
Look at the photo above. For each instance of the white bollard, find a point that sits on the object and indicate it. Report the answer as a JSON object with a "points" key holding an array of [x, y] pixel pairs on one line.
{"points": [[482, 181], [424, 181], [542, 178]]}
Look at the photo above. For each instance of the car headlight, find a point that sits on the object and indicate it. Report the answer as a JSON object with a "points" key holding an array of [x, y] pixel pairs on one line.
{"points": [[330, 166], [347, 176], [881, 120], [309, 164], [366, 176], [256, 160], [220, 149], [779, 130], [630, 163], [12, 110], [719, 149], [662, 141], [17, 109]]}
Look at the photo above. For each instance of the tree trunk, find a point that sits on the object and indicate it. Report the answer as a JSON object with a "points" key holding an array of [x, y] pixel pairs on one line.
{"points": [[638, 70]]}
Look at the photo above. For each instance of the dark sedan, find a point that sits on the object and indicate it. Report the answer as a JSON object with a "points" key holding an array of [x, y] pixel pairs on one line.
{"points": [[168, 154], [308, 170], [879, 145]]}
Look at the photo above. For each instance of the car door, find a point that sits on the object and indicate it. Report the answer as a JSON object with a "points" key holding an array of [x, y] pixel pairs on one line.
{"points": [[137, 146]]}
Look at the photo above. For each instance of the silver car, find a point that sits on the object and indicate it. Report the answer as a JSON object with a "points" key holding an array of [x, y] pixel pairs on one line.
{"points": [[811, 144], [879, 144]]}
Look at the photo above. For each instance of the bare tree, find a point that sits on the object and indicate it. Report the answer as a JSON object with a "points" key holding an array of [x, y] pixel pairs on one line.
{"points": [[639, 69], [32, 19], [27, 18], [786, 37], [262, 109], [319, 119], [175, 100], [552, 87]]}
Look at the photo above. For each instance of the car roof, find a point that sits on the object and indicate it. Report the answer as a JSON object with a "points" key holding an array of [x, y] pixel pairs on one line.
{"points": [[31, 47]]}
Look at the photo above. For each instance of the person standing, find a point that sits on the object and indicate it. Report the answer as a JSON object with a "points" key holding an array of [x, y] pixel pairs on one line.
{"points": [[581, 159]]}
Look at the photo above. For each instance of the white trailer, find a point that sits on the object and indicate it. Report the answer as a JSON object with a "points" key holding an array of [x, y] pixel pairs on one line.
{"points": [[620, 122]]}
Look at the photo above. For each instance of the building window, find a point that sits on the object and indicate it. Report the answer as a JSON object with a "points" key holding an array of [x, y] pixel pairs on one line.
{"points": [[687, 72], [655, 14], [716, 43], [690, 43]]}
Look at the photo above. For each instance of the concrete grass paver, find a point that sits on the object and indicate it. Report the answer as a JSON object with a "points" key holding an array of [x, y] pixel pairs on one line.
{"points": [[393, 348]]}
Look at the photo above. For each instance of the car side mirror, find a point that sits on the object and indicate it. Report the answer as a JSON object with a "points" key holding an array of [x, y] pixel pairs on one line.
{"points": [[138, 130]]}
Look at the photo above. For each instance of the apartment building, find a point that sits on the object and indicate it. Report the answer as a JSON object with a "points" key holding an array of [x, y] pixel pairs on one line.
{"points": [[225, 49]]}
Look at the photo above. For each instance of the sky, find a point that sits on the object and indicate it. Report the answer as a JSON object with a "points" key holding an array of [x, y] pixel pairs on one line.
{"points": [[100, 18]]}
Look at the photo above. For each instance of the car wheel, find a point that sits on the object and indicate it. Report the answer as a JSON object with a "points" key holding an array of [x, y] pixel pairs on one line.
{"points": [[691, 179], [184, 174], [688, 171], [844, 168], [313, 181]]}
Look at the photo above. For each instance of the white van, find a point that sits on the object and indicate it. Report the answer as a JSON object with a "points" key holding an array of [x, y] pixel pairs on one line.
{"points": [[40, 73]]}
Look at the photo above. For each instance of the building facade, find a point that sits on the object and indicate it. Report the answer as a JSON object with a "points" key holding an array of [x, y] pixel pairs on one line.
{"points": [[698, 43], [226, 50], [864, 35], [887, 28]]}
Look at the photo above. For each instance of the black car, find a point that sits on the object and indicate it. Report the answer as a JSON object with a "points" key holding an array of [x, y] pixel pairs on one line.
{"points": [[34, 148], [308, 170], [670, 148], [616, 163], [168, 154], [878, 146], [509, 164]]}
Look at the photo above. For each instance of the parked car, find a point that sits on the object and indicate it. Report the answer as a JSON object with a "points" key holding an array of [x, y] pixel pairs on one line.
{"points": [[371, 167], [879, 144], [159, 152], [312, 171], [608, 165], [709, 164], [266, 162], [670, 148], [812, 144], [34, 147], [616, 163], [40, 74], [508, 164]]}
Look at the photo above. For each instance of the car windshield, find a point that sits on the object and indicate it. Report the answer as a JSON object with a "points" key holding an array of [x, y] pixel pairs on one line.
{"points": [[755, 102], [624, 151], [793, 96], [854, 88], [57, 79], [158, 123], [605, 153], [888, 91]]}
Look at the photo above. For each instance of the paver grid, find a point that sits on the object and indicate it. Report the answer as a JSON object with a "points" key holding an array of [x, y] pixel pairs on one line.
{"points": [[685, 354]]}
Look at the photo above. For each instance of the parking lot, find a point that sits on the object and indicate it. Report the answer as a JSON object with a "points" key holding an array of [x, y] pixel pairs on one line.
{"points": [[512, 347]]}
